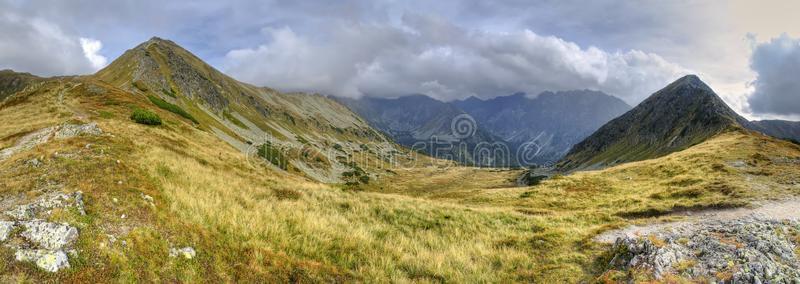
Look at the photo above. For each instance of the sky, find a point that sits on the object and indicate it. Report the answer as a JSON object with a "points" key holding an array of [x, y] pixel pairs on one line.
{"points": [[747, 51]]}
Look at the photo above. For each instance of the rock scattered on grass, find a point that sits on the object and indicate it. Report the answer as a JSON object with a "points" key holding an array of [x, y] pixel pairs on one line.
{"points": [[50, 261], [51, 236], [147, 198], [34, 163], [39, 241], [72, 130], [46, 204], [5, 229], [186, 252]]}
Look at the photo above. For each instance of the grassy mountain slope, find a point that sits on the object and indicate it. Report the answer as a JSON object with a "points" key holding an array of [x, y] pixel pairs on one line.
{"points": [[306, 127], [12, 82], [684, 113], [779, 128]]}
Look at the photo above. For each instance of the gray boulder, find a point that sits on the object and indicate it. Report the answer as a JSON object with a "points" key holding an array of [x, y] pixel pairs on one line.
{"points": [[51, 236], [50, 261]]}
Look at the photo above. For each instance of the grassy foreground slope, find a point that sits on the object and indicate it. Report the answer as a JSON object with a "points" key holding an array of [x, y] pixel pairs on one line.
{"points": [[730, 170], [246, 221], [251, 223]]}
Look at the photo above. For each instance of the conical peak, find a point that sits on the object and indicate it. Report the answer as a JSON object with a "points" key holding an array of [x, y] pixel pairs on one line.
{"points": [[692, 81]]}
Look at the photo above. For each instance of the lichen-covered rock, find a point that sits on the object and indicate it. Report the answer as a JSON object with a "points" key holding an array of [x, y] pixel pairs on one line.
{"points": [[748, 250], [51, 236], [187, 252], [5, 229], [72, 130], [47, 203], [50, 261]]}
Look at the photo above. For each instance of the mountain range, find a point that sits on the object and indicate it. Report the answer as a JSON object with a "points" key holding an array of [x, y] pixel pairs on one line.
{"points": [[527, 130]]}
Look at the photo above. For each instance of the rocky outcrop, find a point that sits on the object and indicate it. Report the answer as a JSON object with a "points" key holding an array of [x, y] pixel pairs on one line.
{"points": [[35, 240], [42, 136], [42, 206], [72, 130], [50, 236], [748, 250]]}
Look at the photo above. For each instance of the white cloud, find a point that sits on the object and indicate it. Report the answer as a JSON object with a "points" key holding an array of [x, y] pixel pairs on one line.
{"points": [[433, 56], [91, 47], [41, 47]]}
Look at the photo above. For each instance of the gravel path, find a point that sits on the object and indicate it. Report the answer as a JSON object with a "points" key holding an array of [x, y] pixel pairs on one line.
{"points": [[770, 210]]}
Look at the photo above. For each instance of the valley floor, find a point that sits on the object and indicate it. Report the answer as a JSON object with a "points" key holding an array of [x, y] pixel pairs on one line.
{"points": [[148, 190]]}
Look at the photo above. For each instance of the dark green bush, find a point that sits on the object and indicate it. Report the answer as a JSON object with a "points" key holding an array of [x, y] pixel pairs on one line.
{"points": [[145, 117], [171, 108]]}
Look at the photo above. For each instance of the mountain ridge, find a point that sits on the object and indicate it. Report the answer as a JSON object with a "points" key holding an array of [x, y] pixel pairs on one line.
{"points": [[305, 126], [515, 125], [682, 114]]}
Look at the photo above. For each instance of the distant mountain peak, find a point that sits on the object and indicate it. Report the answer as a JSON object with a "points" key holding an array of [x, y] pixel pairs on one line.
{"points": [[161, 66], [690, 81], [683, 113]]}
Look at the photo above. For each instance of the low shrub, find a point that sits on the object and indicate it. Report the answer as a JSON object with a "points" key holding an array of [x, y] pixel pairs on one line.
{"points": [[171, 108], [145, 117]]}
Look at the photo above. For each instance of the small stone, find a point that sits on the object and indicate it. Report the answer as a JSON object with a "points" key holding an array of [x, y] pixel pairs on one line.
{"points": [[186, 252], [111, 239], [78, 196], [147, 198], [118, 162], [50, 261], [123, 216], [35, 163], [5, 229]]}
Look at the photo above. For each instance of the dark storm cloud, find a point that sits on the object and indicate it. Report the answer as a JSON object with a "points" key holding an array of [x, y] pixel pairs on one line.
{"points": [[777, 88]]}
